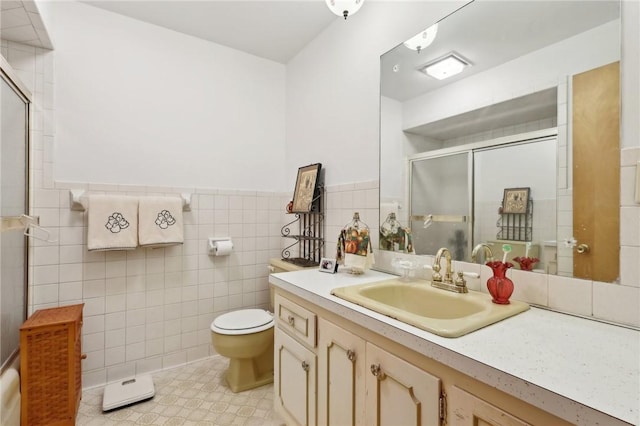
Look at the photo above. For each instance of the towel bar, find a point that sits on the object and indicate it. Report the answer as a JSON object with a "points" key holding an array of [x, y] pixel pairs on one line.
{"points": [[78, 200]]}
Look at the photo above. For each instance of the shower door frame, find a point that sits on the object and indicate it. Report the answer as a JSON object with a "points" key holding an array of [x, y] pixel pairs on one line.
{"points": [[471, 148], [10, 77], [441, 153]]}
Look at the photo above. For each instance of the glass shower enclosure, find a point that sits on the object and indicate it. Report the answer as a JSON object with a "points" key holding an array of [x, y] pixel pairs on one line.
{"points": [[440, 203]]}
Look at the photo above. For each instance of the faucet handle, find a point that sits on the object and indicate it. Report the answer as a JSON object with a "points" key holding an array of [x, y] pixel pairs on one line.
{"points": [[460, 282], [435, 275]]}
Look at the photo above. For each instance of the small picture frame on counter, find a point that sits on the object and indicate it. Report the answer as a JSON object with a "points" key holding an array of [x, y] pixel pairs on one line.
{"points": [[328, 265]]}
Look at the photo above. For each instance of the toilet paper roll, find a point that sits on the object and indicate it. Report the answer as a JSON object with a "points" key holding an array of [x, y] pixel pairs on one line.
{"points": [[222, 248]]}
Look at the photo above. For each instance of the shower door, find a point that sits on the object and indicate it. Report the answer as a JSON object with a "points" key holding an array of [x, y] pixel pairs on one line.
{"points": [[14, 114], [440, 203]]}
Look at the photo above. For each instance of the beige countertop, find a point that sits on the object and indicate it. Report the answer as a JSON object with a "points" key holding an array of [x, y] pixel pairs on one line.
{"points": [[583, 371]]}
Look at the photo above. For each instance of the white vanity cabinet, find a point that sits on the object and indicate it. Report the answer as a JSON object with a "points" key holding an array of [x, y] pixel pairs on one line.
{"points": [[358, 383], [361, 384], [399, 393], [355, 376], [341, 376], [295, 363], [469, 410], [294, 381]]}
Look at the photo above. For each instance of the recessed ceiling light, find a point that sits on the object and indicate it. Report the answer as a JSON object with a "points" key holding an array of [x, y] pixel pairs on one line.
{"points": [[446, 66]]}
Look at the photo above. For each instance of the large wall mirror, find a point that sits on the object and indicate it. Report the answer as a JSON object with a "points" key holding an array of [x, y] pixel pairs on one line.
{"points": [[495, 150]]}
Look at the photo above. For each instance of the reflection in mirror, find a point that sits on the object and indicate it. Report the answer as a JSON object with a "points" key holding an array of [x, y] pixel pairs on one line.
{"points": [[449, 148]]}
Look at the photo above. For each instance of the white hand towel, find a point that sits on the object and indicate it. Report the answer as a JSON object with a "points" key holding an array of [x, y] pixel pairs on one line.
{"points": [[113, 222], [160, 221]]}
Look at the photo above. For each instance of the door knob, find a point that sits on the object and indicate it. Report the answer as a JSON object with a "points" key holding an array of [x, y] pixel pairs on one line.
{"points": [[582, 248], [571, 242]]}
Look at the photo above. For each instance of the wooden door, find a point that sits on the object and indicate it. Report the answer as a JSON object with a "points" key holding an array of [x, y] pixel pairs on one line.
{"points": [[398, 393], [468, 410], [341, 376], [596, 172], [294, 381]]}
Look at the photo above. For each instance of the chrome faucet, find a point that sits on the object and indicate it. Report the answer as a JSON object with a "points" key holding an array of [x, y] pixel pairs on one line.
{"points": [[447, 282], [488, 255]]}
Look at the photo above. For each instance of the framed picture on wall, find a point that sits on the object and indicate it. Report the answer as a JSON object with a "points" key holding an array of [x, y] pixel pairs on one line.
{"points": [[515, 200], [305, 188]]}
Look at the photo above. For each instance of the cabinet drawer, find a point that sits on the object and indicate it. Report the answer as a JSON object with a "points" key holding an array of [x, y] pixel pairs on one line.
{"points": [[296, 320]]}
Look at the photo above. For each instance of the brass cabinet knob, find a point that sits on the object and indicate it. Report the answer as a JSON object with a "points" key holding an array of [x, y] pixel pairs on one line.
{"points": [[291, 320], [376, 370], [351, 355], [305, 365]]}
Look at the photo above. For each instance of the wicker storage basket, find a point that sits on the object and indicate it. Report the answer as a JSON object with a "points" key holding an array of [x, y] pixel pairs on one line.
{"points": [[50, 366]]}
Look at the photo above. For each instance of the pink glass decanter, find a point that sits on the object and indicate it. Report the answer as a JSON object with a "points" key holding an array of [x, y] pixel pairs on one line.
{"points": [[500, 287]]}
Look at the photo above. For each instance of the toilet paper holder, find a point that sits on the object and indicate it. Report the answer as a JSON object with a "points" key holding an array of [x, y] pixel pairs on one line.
{"points": [[213, 245]]}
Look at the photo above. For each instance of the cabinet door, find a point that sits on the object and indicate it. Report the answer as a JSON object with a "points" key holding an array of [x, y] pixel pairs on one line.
{"points": [[398, 393], [341, 376], [468, 410], [294, 380]]}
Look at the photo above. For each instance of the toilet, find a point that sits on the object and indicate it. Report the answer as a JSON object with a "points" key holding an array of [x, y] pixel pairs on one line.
{"points": [[246, 338]]}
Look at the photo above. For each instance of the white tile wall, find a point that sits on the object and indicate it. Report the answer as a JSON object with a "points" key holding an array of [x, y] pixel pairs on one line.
{"points": [[571, 295], [151, 309]]}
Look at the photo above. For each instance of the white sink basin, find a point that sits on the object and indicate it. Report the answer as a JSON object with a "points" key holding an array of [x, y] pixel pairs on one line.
{"points": [[438, 311]]}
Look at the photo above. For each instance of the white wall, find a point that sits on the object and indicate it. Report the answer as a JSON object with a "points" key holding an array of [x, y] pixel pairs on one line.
{"points": [[630, 131], [333, 88], [139, 104]]}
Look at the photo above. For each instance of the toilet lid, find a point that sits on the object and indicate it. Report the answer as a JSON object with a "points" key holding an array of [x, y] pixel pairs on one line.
{"points": [[243, 321]]}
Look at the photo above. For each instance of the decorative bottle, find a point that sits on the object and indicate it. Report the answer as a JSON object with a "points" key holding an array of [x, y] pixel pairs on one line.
{"points": [[500, 287]]}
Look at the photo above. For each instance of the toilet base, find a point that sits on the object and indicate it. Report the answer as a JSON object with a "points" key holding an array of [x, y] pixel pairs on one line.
{"points": [[245, 373]]}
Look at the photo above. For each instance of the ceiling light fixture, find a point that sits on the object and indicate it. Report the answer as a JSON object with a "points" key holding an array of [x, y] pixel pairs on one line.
{"points": [[422, 39], [446, 66], [344, 7]]}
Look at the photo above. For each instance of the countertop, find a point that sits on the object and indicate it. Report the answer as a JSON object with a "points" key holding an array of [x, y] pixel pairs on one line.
{"points": [[586, 372]]}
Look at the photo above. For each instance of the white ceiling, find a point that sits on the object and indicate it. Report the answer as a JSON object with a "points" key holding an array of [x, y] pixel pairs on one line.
{"points": [[20, 22], [275, 30]]}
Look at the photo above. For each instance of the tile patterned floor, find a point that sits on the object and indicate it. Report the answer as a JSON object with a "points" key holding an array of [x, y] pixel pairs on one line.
{"points": [[195, 394]]}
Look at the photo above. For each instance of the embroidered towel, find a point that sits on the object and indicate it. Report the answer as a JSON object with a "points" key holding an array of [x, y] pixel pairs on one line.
{"points": [[113, 223], [160, 221]]}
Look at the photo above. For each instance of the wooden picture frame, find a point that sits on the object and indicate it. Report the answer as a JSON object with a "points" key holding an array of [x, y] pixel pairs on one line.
{"points": [[305, 190], [515, 200]]}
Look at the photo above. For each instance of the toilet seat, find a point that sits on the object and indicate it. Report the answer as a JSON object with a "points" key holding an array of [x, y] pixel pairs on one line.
{"points": [[244, 321]]}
